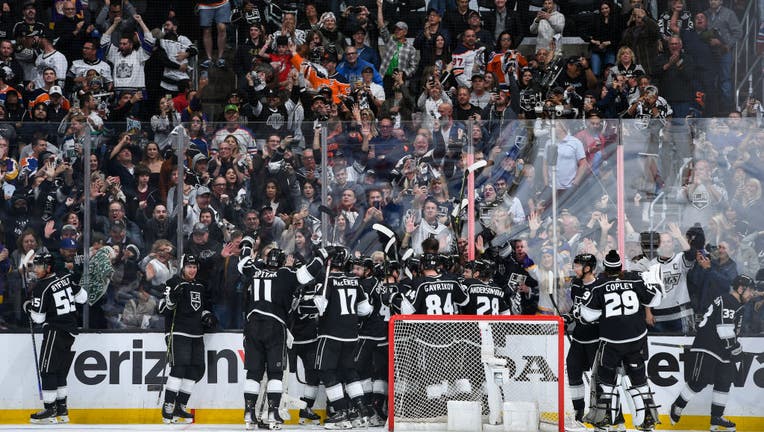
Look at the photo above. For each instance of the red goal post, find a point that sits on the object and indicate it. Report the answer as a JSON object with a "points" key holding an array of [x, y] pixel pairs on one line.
{"points": [[437, 358]]}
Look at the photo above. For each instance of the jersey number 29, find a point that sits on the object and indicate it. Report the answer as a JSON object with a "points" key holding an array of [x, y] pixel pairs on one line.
{"points": [[623, 303]]}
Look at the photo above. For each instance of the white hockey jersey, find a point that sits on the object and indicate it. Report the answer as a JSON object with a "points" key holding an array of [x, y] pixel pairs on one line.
{"points": [[54, 60], [676, 298], [170, 77], [80, 68], [129, 70]]}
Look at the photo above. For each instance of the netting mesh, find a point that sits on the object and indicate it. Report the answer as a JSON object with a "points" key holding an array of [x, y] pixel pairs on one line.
{"points": [[437, 361]]}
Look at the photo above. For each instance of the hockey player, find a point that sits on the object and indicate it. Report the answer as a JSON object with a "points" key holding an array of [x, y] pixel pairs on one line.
{"points": [[674, 313], [433, 293], [716, 352], [187, 314], [304, 329], [618, 302], [272, 290], [371, 351], [485, 297], [340, 304], [512, 275], [584, 336], [54, 306]]}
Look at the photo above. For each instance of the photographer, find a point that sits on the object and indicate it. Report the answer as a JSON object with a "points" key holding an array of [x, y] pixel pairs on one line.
{"points": [[710, 277]]}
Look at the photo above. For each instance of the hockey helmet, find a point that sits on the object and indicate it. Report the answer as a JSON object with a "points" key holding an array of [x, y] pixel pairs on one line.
{"points": [[429, 261], [743, 281], [586, 260], [44, 259], [275, 258], [189, 259], [339, 255]]}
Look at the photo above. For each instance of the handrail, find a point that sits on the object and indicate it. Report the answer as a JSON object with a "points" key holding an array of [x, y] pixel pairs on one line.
{"points": [[748, 81], [745, 48]]}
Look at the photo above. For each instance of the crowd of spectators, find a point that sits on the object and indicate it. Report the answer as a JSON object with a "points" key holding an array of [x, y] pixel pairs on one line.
{"points": [[399, 101]]}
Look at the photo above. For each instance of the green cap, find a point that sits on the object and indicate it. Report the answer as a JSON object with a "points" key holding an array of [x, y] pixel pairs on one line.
{"points": [[231, 107]]}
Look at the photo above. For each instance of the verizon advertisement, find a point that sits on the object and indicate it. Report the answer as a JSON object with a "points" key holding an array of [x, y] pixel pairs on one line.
{"points": [[125, 371]]}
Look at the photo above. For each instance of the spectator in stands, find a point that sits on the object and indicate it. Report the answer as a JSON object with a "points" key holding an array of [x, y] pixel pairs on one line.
{"points": [[245, 141], [140, 312], [456, 20], [296, 36], [704, 46], [502, 19], [547, 24], [28, 26], [399, 53], [365, 52], [201, 245], [174, 52], [26, 51], [726, 23], [89, 61], [676, 70], [219, 13], [425, 42], [352, 68], [643, 37], [675, 21], [114, 12], [248, 49], [330, 34], [7, 59], [605, 37], [128, 60]]}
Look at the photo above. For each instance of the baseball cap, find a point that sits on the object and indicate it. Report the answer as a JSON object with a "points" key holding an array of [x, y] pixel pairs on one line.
{"points": [[478, 77], [401, 25], [203, 190], [435, 10], [28, 3], [200, 228], [68, 243], [368, 69], [265, 208], [231, 107], [319, 97], [68, 227], [198, 158], [55, 90], [271, 93]]}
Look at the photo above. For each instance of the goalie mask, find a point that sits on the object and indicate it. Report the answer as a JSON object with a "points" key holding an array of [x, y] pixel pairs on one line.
{"points": [[649, 241], [275, 258]]}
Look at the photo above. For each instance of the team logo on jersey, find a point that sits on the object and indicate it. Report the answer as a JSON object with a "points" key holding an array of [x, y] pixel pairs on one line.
{"points": [[196, 300], [700, 200], [670, 281], [517, 279]]}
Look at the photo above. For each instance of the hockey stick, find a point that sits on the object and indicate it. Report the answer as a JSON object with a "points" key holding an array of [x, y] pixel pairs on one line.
{"points": [[550, 293], [333, 216], [23, 272], [458, 218], [167, 354]]}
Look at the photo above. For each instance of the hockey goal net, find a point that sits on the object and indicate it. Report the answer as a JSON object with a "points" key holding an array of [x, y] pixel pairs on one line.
{"points": [[484, 359]]}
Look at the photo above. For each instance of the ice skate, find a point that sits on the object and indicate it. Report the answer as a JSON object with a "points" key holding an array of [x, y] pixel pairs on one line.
{"points": [[722, 424], [619, 423], [273, 421], [167, 413], [648, 425], [250, 423], [46, 416], [675, 413], [308, 417], [181, 415], [62, 412], [338, 420]]}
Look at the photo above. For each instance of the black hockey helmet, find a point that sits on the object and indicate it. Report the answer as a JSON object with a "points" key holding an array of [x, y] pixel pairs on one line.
{"points": [[339, 255], [649, 241], [586, 260], [429, 261], [743, 281], [275, 258], [189, 259], [44, 259]]}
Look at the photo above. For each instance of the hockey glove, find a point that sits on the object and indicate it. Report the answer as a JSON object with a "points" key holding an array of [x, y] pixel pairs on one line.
{"points": [[570, 322], [321, 304], [209, 320], [174, 294], [322, 253], [736, 353]]}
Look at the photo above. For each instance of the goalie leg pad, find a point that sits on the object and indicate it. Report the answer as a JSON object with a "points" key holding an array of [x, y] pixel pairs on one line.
{"points": [[603, 412], [646, 411]]}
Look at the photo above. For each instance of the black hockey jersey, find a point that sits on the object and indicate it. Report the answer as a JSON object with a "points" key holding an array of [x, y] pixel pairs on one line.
{"points": [[54, 302], [584, 332], [187, 311], [375, 325], [346, 300], [718, 330], [619, 305], [485, 298], [304, 325], [272, 291], [436, 295], [510, 275]]}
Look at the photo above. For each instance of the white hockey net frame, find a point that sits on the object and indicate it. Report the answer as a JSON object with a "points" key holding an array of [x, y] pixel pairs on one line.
{"points": [[472, 348]]}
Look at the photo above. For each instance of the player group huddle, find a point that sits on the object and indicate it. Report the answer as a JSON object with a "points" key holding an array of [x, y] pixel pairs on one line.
{"points": [[333, 312]]}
